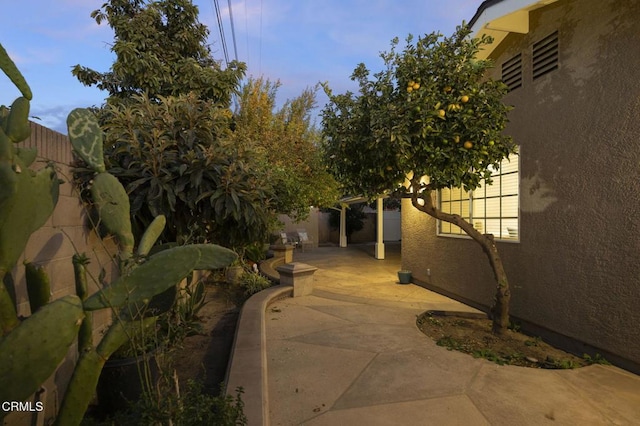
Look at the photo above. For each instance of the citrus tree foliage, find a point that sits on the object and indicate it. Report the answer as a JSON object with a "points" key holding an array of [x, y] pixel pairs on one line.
{"points": [[287, 143], [430, 112], [161, 50], [176, 157]]}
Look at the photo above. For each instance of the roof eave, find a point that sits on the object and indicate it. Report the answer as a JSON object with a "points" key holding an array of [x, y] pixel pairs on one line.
{"points": [[499, 18]]}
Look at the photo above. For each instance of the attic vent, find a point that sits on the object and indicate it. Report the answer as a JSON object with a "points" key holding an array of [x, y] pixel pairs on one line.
{"points": [[512, 72], [545, 55]]}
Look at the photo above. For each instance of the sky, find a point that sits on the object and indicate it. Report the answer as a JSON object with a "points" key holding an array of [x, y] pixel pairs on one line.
{"points": [[296, 42]]}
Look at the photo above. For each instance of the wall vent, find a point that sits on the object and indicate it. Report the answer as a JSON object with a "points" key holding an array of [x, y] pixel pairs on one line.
{"points": [[545, 55], [512, 72]]}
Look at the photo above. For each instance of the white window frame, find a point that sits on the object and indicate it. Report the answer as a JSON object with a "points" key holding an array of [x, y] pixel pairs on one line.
{"points": [[466, 206]]}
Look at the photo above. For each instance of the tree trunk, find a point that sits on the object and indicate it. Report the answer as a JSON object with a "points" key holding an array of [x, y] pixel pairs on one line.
{"points": [[500, 308]]}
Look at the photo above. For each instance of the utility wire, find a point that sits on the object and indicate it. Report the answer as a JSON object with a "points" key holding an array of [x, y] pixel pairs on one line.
{"points": [[221, 28], [246, 30], [233, 30]]}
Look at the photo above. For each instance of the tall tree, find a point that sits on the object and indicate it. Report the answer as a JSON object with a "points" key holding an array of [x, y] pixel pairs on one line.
{"points": [[289, 144], [167, 125], [161, 50], [430, 112]]}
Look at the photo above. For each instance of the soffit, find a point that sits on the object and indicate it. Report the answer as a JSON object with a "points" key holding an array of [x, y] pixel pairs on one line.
{"points": [[498, 18]]}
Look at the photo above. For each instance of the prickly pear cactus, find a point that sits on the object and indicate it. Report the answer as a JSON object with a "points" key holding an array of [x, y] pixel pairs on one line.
{"points": [[27, 198], [160, 272], [87, 372], [112, 205], [14, 74], [151, 235], [108, 194], [85, 334], [17, 124], [25, 209], [85, 135], [38, 286], [32, 351]]}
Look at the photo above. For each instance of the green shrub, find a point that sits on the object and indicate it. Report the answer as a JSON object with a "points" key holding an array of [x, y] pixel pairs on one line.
{"points": [[192, 407], [253, 282]]}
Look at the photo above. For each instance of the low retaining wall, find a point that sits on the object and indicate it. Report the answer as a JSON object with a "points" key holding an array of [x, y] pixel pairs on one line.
{"points": [[248, 361]]}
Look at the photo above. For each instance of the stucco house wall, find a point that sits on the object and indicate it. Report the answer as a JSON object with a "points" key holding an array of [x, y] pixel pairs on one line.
{"points": [[575, 272]]}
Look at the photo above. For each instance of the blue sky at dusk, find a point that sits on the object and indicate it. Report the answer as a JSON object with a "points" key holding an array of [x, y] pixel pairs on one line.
{"points": [[298, 42]]}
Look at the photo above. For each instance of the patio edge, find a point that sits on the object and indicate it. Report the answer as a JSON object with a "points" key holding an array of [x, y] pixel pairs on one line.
{"points": [[247, 366]]}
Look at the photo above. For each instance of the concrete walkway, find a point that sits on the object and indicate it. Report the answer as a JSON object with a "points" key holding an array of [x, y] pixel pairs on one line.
{"points": [[351, 354]]}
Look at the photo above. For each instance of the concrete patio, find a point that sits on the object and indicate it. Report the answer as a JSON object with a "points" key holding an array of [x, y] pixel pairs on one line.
{"points": [[351, 352]]}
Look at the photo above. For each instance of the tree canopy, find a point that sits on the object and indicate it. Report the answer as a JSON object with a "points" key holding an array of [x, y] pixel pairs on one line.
{"points": [[161, 50], [431, 119], [288, 143], [174, 143], [429, 112]]}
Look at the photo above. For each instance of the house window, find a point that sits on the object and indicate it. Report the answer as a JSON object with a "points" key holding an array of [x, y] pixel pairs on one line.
{"points": [[492, 209], [545, 55], [512, 72]]}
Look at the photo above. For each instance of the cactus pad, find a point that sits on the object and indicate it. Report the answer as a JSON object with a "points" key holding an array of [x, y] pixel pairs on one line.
{"points": [[160, 272], [33, 350], [213, 256], [27, 155], [38, 286], [151, 235], [163, 270], [14, 74], [112, 203], [85, 135], [18, 127], [81, 388], [25, 210], [85, 377]]}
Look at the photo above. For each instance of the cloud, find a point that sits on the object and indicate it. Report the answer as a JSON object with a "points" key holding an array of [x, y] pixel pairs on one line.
{"points": [[37, 56], [54, 118]]}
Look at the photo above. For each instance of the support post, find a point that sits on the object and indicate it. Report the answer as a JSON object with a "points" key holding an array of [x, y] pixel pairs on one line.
{"points": [[343, 226], [380, 230]]}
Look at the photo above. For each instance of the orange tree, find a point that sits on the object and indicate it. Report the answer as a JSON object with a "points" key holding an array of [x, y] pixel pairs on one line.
{"points": [[430, 112]]}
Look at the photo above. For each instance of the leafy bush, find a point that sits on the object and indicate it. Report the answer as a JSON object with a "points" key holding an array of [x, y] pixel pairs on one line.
{"points": [[174, 157], [255, 253], [253, 282], [193, 407]]}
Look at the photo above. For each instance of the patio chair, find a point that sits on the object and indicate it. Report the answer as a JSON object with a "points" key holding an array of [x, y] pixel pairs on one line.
{"points": [[284, 239], [287, 239], [304, 239]]}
